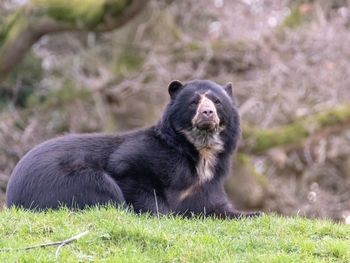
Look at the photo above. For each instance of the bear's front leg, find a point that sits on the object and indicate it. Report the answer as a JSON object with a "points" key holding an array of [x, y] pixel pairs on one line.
{"points": [[224, 211], [150, 202], [222, 208]]}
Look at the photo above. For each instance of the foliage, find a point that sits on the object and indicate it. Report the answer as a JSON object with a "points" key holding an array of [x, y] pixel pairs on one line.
{"points": [[89, 13], [40, 17], [60, 98], [129, 61], [294, 19], [25, 78], [115, 81], [121, 236], [297, 131]]}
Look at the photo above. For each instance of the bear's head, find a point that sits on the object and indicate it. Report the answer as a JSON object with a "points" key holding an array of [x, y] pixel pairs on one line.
{"points": [[204, 112]]}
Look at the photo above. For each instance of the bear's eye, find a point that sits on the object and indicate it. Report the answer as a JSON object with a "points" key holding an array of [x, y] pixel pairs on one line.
{"points": [[194, 103], [217, 101]]}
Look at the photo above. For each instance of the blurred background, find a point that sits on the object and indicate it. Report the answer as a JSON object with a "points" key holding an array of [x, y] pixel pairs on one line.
{"points": [[104, 66]]}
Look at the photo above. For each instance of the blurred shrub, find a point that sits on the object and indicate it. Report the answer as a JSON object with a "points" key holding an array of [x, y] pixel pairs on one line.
{"points": [[22, 82], [129, 61]]}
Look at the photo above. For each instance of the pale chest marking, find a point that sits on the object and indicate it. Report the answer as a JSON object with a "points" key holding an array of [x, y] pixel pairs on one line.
{"points": [[187, 192], [205, 169], [206, 165]]}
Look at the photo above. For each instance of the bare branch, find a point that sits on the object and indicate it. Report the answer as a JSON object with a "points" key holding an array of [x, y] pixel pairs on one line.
{"points": [[327, 122], [40, 17], [50, 244]]}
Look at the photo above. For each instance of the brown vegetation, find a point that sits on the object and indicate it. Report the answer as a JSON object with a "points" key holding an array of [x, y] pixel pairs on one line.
{"points": [[288, 60]]}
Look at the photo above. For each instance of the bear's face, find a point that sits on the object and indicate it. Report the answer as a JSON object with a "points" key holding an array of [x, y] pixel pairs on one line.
{"points": [[201, 110]]}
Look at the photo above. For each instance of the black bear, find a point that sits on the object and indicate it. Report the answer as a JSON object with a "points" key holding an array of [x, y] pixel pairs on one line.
{"points": [[176, 166]]}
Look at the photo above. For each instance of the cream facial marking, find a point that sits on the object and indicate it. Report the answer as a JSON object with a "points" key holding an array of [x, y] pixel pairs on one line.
{"points": [[207, 142], [205, 104]]}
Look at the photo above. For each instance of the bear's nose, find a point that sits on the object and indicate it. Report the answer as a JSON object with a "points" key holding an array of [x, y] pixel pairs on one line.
{"points": [[207, 112]]}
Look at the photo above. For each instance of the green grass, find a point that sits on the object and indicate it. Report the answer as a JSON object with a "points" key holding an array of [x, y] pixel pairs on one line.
{"points": [[121, 236]]}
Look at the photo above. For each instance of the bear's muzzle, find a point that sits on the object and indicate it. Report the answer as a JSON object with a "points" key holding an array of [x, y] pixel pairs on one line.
{"points": [[206, 117]]}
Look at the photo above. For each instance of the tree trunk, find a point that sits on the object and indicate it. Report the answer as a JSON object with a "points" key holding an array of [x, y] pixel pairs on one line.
{"points": [[40, 17]]}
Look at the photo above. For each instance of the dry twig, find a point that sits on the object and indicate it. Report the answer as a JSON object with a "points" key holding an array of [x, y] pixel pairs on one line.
{"points": [[50, 244]]}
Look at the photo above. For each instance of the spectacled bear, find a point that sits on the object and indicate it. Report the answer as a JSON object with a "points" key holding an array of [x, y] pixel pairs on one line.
{"points": [[176, 166]]}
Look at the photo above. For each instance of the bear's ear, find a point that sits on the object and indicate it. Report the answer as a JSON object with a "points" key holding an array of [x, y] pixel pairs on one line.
{"points": [[228, 88], [174, 87]]}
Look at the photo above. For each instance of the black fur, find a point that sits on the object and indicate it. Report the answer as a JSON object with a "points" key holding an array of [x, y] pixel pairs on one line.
{"points": [[158, 163]]}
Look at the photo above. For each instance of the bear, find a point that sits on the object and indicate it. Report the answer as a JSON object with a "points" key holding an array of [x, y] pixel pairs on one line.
{"points": [[176, 166]]}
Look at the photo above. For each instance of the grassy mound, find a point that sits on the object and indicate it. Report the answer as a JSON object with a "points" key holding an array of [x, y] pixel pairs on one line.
{"points": [[121, 236]]}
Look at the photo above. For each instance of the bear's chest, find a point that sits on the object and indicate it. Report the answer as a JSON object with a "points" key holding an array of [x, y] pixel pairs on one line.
{"points": [[205, 166], [204, 170]]}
